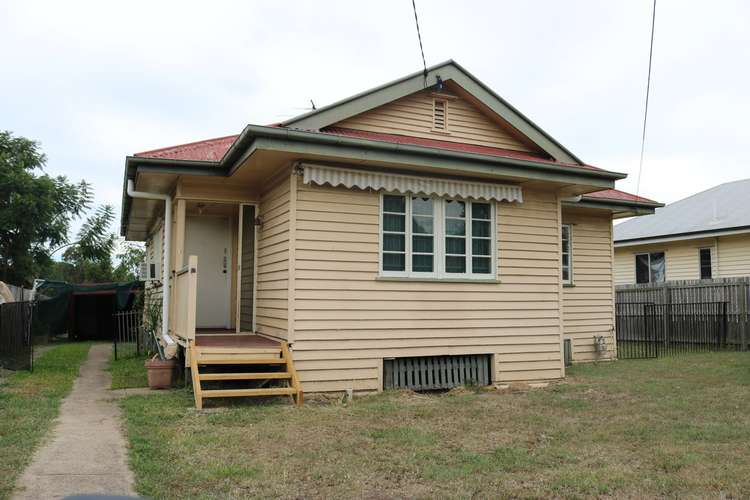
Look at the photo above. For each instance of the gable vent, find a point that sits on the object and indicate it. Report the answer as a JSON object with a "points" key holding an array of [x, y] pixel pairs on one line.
{"points": [[440, 115]]}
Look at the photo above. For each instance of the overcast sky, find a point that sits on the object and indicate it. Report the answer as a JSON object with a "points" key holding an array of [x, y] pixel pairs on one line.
{"points": [[96, 81]]}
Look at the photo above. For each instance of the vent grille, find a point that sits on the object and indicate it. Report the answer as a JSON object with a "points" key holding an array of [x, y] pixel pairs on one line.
{"points": [[436, 372], [440, 115]]}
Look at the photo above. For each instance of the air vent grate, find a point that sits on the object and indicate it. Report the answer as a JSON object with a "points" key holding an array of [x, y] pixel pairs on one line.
{"points": [[436, 372], [440, 115]]}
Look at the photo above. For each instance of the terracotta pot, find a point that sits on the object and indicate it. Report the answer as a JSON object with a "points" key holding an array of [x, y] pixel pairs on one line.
{"points": [[160, 373]]}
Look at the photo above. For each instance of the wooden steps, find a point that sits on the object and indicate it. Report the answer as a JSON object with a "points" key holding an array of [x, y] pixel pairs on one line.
{"points": [[265, 391], [241, 360], [245, 376], [247, 359]]}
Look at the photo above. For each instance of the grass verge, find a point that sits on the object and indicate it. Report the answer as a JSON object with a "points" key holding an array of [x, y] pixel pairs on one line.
{"points": [[128, 372], [29, 402], [676, 427]]}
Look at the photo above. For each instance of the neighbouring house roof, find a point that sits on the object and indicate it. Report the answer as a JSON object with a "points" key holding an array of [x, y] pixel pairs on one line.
{"points": [[722, 208]]}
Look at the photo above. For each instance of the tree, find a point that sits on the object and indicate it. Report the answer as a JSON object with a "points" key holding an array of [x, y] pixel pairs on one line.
{"points": [[36, 211], [88, 259], [129, 264]]}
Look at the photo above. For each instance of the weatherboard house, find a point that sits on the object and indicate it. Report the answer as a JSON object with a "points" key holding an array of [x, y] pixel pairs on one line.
{"points": [[421, 234], [703, 236]]}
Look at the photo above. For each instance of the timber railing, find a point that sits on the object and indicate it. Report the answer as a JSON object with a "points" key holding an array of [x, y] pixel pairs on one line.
{"points": [[185, 292], [725, 298]]}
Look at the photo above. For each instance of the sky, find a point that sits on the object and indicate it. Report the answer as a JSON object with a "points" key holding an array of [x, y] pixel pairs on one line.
{"points": [[96, 81]]}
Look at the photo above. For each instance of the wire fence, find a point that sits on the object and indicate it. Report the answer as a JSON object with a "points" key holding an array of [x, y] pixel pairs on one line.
{"points": [[130, 337], [16, 346]]}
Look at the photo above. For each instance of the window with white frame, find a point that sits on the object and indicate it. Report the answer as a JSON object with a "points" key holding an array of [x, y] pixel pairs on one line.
{"points": [[423, 236], [566, 264]]}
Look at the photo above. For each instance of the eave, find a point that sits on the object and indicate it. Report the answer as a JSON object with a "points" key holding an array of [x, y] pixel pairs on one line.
{"points": [[689, 235], [305, 143]]}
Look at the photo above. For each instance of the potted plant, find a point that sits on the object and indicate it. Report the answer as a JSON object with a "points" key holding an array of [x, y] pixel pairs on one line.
{"points": [[160, 370]]}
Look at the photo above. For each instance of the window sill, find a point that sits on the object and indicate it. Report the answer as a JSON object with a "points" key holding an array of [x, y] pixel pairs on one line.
{"points": [[438, 280], [569, 285]]}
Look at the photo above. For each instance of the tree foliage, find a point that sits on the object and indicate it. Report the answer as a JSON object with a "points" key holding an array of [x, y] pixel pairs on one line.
{"points": [[36, 209], [36, 212]]}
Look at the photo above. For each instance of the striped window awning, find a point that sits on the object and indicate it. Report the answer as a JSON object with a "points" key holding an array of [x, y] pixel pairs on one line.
{"points": [[367, 179]]}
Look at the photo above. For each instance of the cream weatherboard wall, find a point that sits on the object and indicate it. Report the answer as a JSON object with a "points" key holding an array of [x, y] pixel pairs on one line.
{"points": [[273, 260], [734, 256], [588, 302], [346, 319], [413, 116], [730, 257]]}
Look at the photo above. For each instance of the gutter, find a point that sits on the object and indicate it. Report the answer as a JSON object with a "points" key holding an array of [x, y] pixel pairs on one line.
{"points": [[252, 132], [243, 146], [167, 253], [690, 235]]}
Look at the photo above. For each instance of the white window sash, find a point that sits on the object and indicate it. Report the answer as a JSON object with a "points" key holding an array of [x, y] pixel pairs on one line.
{"points": [[567, 250], [439, 246]]}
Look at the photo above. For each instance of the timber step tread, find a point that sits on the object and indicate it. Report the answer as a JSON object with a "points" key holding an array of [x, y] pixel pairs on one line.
{"points": [[266, 391], [245, 376], [239, 360]]}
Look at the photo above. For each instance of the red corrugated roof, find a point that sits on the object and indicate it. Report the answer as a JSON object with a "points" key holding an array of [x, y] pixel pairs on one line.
{"points": [[448, 145], [208, 150], [214, 149], [616, 194]]}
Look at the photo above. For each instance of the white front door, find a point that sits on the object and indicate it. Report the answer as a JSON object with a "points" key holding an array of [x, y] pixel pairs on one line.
{"points": [[210, 237]]}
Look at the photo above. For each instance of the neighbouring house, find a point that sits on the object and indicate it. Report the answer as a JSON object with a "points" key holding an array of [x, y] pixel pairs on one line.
{"points": [[420, 234], [704, 236]]}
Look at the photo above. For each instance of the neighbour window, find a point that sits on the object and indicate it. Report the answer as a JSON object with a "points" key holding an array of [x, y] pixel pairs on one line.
{"points": [[650, 267], [705, 263], [567, 275], [435, 237]]}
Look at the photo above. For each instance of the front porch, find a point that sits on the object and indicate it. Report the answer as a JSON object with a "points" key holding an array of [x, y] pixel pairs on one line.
{"points": [[213, 306]]}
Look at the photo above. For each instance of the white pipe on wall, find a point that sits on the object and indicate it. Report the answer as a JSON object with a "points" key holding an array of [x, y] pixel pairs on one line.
{"points": [[167, 253]]}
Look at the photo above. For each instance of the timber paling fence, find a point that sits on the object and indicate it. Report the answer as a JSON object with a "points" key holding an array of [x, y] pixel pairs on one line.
{"points": [[682, 316], [130, 337], [16, 346]]}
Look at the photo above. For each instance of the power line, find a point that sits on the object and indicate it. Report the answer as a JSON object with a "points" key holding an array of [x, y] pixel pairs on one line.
{"points": [[648, 89], [419, 36]]}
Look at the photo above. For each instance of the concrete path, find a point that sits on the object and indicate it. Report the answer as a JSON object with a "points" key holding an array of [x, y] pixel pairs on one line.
{"points": [[86, 451]]}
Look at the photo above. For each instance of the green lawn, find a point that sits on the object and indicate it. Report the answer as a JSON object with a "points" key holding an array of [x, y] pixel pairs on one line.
{"points": [[654, 428], [28, 404], [128, 372]]}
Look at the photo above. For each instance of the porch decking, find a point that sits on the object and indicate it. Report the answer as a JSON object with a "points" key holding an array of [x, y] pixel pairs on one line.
{"points": [[264, 363], [224, 338]]}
